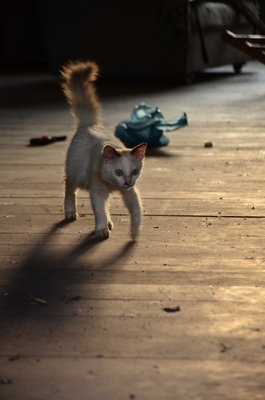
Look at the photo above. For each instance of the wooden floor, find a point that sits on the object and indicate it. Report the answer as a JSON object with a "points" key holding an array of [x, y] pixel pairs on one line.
{"points": [[89, 321]]}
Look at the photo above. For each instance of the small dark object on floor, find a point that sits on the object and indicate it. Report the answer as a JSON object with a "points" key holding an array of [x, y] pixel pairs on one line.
{"points": [[208, 144], [70, 298], [224, 348], [172, 309], [5, 381], [14, 357], [44, 140], [38, 300]]}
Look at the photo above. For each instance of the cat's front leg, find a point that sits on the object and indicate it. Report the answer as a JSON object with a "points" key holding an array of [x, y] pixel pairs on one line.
{"points": [[132, 202], [99, 199], [110, 223], [70, 211]]}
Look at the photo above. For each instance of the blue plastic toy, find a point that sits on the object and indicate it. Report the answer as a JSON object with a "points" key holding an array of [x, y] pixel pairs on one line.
{"points": [[147, 124]]}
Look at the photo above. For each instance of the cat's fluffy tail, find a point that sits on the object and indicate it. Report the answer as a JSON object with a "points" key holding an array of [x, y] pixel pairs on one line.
{"points": [[79, 90]]}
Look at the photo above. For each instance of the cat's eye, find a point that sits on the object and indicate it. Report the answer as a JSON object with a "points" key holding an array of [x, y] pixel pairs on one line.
{"points": [[134, 171], [118, 172]]}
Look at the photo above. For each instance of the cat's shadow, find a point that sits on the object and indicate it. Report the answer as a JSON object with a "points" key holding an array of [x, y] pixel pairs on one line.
{"points": [[160, 152], [46, 276]]}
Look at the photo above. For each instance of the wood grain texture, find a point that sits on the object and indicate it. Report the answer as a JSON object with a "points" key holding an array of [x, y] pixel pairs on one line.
{"points": [[88, 320]]}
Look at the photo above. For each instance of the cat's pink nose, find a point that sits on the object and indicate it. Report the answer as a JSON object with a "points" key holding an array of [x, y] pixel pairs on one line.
{"points": [[128, 183]]}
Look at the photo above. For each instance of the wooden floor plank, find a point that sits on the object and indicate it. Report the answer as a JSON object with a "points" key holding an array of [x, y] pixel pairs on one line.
{"points": [[215, 204], [119, 379]]}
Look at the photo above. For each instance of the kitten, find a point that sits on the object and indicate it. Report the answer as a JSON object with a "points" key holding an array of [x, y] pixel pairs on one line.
{"points": [[94, 161]]}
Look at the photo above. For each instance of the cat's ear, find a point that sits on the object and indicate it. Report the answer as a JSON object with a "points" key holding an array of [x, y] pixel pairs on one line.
{"points": [[109, 153], [139, 151]]}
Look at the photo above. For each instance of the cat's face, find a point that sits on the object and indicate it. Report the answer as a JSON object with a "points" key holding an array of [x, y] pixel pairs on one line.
{"points": [[122, 168]]}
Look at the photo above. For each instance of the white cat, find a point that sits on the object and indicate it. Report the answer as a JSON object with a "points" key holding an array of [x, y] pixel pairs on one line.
{"points": [[95, 161]]}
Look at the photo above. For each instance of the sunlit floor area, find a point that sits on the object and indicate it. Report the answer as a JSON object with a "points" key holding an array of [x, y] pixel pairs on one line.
{"points": [[178, 314]]}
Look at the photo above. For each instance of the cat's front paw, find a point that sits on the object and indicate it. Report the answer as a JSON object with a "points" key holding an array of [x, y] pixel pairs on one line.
{"points": [[110, 224], [102, 233], [71, 215]]}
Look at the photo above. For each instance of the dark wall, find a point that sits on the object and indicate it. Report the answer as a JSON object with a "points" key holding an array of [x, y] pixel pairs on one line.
{"points": [[114, 33], [123, 37], [21, 33], [262, 10]]}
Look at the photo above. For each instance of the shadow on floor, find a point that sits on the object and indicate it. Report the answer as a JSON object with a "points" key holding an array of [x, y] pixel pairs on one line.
{"points": [[49, 279], [160, 152], [40, 88]]}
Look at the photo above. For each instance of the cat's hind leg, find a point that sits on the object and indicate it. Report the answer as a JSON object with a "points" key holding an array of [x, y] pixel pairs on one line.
{"points": [[70, 210], [132, 202]]}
